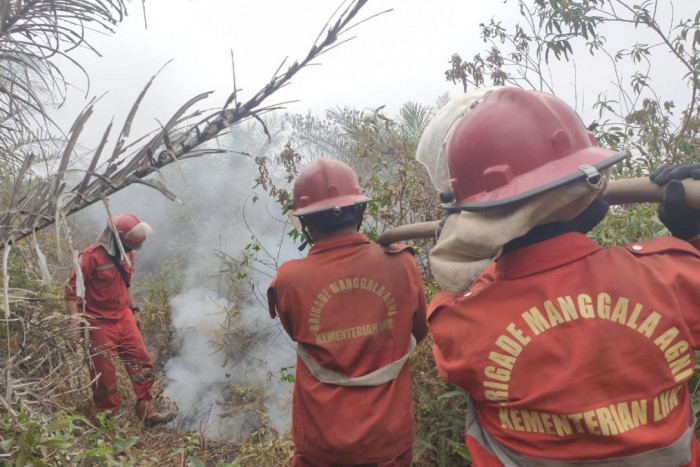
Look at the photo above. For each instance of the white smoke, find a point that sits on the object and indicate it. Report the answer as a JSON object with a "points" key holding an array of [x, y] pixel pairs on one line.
{"points": [[196, 372], [225, 378], [225, 374], [222, 399]]}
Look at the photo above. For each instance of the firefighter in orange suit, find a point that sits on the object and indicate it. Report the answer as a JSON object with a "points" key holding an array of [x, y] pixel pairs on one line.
{"points": [[572, 354], [356, 310], [114, 333]]}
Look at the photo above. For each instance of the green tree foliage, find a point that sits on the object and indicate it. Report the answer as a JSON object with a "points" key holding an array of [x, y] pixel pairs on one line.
{"points": [[135, 162], [631, 113], [634, 114], [379, 148]]}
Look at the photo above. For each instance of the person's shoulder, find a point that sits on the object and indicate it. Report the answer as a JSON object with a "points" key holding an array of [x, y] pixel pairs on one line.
{"points": [[662, 245], [291, 268], [93, 255], [92, 249], [397, 248], [395, 255], [445, 298]]}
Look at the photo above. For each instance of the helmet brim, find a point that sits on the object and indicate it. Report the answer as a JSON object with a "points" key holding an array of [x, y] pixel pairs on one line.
{"points": [[531, 183], [331, 203]]}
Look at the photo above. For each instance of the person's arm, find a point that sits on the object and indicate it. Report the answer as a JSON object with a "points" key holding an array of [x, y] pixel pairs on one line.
{"points": [[286, 319], [134, 308], [132, 302], [680, 219], [276, 309], [420, 317]]}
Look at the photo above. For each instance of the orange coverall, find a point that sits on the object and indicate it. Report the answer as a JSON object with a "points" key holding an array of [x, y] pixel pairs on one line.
{"points": [[352, 305], [571, 352], [115, 334]]}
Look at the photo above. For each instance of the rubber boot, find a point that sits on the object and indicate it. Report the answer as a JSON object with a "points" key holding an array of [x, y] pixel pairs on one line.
{"points": [[146, 413]]}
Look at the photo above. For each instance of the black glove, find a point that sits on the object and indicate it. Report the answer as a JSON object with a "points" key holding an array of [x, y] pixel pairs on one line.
{"points": [[666, 173], [681, 220]]}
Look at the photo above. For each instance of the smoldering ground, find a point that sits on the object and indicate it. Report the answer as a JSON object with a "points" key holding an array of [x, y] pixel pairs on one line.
{"points": [[225, 372]]}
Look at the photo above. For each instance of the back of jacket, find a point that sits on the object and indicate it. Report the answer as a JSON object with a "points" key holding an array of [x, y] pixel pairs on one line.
{"points": [[574, 352], [106, 296], [352, 306]]}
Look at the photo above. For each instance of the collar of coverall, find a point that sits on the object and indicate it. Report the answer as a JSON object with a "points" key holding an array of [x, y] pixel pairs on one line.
{"points": [[545, 255], [329, 243]]}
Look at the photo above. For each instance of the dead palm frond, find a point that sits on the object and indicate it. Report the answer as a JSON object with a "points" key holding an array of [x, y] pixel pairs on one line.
{"points": [[37, 200], [176, 140], [33, 33]]}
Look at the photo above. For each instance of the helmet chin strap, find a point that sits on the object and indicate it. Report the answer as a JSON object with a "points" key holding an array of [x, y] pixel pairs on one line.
{"points": [[308, 240]]}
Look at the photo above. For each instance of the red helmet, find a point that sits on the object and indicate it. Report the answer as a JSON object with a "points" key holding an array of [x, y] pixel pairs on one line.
{"points": [[515, 144], [132, 230], [324, 185]]}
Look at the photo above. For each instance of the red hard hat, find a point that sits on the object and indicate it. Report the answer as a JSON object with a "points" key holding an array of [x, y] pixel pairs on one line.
{"points": [[326, 184], [516, 144], [132, 230]]}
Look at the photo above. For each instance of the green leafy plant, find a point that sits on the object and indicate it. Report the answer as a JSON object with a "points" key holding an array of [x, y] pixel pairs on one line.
{"points": [[633, 115], [286, 375], [35, 439], [192, 445]]}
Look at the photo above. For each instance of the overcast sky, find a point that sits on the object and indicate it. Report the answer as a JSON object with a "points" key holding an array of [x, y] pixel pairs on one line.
{"points": [[397, 57]]}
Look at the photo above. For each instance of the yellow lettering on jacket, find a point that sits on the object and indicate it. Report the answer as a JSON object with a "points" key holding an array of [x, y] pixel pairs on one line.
{"points": [[341, 286], [353, 332], [567, 311], [609, 420]]}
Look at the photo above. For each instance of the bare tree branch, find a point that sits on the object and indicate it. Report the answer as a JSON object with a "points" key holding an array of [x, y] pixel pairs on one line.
{"points": [[175, 141]]}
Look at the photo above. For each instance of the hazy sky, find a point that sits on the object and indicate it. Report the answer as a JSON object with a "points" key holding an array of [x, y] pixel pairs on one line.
{"points": [[397, 57]]}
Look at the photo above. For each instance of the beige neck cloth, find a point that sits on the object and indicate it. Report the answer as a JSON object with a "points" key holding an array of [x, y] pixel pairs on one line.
{"points": [[471, 240]]}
